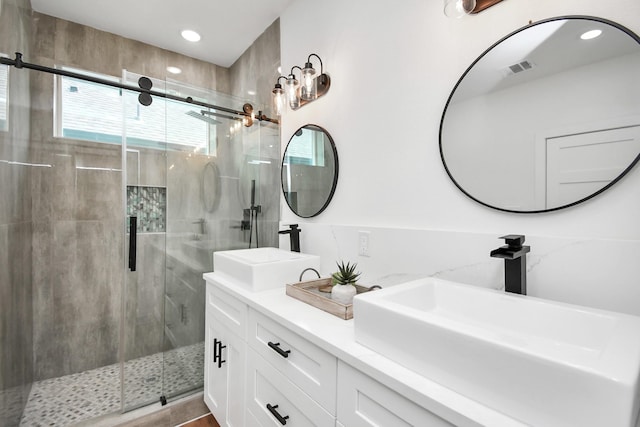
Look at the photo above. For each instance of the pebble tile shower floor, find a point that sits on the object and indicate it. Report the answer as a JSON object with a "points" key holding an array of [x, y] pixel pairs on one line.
{"points": [[78, 397]]}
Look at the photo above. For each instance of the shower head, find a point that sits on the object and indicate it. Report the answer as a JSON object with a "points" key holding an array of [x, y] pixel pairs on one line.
{"points": [[201, 116]]}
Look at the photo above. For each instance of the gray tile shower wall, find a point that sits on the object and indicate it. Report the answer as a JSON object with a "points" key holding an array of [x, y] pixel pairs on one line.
{"points": [[256, 72], [78, 227], [144, 298], [16, 228], [77, 257], [74, 45], [61, 221]]}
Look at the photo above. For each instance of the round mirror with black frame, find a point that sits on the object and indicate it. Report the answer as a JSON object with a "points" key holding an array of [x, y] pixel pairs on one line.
{"points": [[309, 171], [547, 117]]}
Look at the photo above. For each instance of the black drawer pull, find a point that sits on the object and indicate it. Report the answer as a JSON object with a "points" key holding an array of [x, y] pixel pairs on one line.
{"points": [[281, 352], [272, 409]]}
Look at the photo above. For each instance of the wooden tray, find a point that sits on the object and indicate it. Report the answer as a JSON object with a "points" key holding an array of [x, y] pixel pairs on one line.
{"points": [[310, 293]]}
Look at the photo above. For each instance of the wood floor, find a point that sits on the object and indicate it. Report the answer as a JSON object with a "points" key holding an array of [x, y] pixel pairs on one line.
{"points": [[206, 421]]}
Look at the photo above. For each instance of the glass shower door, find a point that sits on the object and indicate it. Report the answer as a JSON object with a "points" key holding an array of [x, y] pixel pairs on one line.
{"points": [[145, 205], [204, 215], [211, 173], [191, 145], [195, 177]]}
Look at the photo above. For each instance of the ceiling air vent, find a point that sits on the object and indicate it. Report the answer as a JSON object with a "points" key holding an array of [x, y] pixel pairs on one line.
{"points": [[519, 67]]}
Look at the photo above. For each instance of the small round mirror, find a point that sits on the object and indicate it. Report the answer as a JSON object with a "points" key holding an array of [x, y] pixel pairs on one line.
{"points": [[309, 171]]}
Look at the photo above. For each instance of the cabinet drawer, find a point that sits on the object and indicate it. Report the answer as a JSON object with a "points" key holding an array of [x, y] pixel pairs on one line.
{"points": [[267, 387], [228, 310], [303, 363], [364, 402]]}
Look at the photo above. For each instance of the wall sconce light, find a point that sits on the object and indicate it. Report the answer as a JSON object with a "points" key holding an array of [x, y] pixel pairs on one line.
{"points": [[298, 93], [459, 8]]}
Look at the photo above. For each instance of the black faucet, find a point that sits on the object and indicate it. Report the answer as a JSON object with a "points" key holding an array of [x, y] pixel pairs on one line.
{"points": [[515, 263], [294, 236]]}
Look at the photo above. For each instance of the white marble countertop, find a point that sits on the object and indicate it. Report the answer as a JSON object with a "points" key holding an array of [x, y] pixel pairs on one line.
{"points": [[337, 337]]}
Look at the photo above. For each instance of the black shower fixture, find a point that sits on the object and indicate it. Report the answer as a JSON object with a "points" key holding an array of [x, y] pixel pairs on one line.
{"points": [[202, 116]]}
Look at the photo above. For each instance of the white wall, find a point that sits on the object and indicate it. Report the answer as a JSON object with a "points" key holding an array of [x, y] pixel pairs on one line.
{"points": [[393, 65]]}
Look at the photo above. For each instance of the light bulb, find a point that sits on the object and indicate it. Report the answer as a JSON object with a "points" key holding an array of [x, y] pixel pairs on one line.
{"points": [[292, 85], [458, 8], [308, 90], [277, 95]]}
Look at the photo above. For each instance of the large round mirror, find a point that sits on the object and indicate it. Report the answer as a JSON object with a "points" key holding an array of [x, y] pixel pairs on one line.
{"points": [[309, 171], [547, 117]]}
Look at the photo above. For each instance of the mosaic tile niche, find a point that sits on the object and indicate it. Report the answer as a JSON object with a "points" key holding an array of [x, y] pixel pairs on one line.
{"points": [[149, 204]]}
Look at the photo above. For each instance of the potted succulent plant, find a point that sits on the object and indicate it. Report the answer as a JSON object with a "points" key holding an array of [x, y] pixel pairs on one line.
{"points": [[343, 281]]}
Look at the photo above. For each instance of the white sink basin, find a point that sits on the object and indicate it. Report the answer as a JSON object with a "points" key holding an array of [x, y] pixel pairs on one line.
{"points": [[263, 268], [543, 363]]}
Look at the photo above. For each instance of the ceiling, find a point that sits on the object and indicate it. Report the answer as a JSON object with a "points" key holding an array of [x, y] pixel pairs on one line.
{"points": [[551, 47], [227, 27]]}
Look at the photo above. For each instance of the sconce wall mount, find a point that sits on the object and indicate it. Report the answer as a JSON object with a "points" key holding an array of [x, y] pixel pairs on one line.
{"points": [[297, 93], [323, 82], [459, 8]]}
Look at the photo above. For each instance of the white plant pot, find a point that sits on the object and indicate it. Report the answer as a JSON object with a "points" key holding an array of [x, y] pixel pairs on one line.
{"points": [[343, 293]]}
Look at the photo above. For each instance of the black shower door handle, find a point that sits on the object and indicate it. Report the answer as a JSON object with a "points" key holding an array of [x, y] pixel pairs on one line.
{"points": [[133, 234]]}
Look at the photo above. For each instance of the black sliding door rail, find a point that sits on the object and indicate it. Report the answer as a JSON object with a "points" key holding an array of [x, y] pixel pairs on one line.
{"points": [[144, 89]]}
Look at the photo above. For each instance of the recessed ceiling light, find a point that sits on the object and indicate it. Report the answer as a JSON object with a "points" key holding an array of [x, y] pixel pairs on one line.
{"points": [[591, 34], [190, 35], [251, 92], [174, 70]]}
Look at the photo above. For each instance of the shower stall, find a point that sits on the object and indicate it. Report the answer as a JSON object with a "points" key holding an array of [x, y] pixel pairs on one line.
{"points": [[106, 226]]}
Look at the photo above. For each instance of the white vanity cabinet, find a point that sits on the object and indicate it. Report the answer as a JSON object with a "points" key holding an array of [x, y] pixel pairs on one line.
{"points": [[364, 402], [272, 361], [259, 373], [225, 357], [273, 400], [289, 380], [303, 363]]}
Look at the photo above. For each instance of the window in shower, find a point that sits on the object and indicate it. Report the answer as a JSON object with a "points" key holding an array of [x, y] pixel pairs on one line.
{"points": [[94, 112], [4, 97]]}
